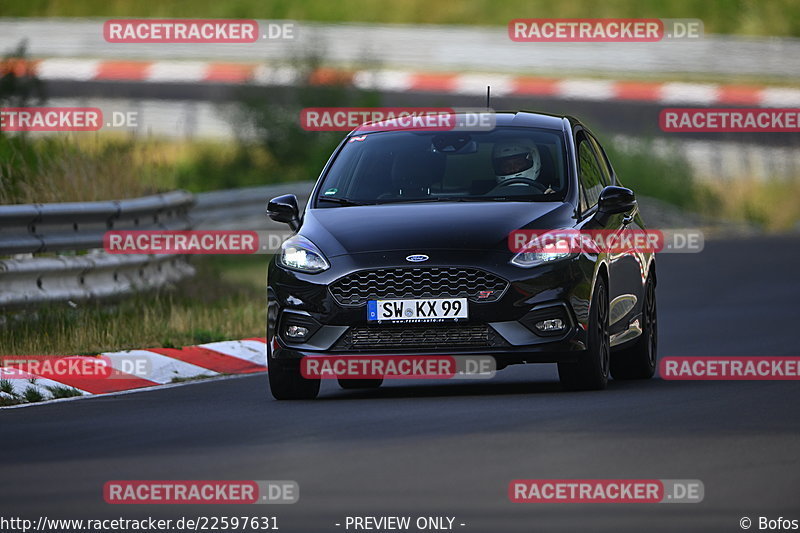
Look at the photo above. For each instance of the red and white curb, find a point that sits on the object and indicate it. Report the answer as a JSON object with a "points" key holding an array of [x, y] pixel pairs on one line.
{"points": [[165, 366], [58, 69]]}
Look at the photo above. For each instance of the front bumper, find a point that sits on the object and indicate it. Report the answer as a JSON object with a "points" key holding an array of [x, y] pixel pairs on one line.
{"points": [[502, 327]]}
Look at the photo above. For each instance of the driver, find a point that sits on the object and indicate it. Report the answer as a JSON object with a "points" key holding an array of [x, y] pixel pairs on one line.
{"points": [[516, 158]]}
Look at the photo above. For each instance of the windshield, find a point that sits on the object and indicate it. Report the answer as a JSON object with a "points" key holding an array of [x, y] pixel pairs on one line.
{"points": [[511, 164]]}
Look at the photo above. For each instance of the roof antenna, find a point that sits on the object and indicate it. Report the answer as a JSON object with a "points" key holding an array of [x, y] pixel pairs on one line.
{"points": [[488, 97]]}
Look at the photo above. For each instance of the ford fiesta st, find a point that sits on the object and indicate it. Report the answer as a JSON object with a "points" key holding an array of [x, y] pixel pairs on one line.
{"points": [[403, 249]]}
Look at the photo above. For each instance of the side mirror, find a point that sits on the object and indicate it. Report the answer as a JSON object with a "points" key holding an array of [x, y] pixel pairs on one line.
{"points": [[284, 209], [615, 200]]}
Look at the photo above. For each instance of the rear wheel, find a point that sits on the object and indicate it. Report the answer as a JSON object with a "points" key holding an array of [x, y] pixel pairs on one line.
{"points": [[360, 383], [639, 361], [287, 383], [591, 372]]}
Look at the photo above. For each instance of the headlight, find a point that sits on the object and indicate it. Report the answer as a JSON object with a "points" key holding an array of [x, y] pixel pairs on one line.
{"points": [[298, 253], [549, 253]]}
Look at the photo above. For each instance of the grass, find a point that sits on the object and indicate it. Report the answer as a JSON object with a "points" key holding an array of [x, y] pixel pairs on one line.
{"points": [[669, 180], [62, 169], [771, 205], [80, 168], [32, 395], [226, 300], [745, 17], [192, 378], [60, 391], [6, 386]]}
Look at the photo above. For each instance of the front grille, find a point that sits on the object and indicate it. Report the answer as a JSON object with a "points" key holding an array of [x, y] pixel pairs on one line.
{"points": [[377, 337], [433, 282]]}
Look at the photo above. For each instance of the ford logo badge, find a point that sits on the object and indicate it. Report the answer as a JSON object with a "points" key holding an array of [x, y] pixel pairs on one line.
{"points": [[417, 258]]}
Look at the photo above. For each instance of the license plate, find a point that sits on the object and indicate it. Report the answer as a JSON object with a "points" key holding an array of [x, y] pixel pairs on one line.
{"points": [[421, 310]]}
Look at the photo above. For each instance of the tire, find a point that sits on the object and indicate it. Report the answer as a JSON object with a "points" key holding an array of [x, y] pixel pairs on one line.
{"points": [[639, 361], [349, 384], [591, 372], [287, 383]]}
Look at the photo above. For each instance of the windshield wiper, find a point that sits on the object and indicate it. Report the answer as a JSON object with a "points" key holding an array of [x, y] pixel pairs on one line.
{"points": [[341, 201], [526, 198], [415, 200], [522, 198], [431, 199]]}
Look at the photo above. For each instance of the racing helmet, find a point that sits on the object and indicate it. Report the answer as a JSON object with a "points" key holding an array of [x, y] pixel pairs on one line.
{"points": [[516, 158]]}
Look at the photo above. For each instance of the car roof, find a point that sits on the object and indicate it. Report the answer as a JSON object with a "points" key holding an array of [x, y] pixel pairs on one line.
{"points": [[530, 119]]}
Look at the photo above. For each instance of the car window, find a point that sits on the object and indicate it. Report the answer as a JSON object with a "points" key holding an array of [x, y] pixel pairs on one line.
{"points": [[414, 166], [591, 177], [605, 166]]}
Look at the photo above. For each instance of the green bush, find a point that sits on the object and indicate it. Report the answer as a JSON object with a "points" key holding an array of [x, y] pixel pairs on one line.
{"points": [[667, 178]]}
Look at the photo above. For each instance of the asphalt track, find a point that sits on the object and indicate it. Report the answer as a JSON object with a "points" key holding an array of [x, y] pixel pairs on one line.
{"points": [[451, 448]]}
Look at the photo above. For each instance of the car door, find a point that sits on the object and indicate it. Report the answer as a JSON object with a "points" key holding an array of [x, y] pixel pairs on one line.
{"points": [[593, 177], [630, 267]]}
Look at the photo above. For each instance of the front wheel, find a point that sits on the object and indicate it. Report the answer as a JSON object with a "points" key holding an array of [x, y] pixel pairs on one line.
{"points": [[287, 383], [591, 372]]}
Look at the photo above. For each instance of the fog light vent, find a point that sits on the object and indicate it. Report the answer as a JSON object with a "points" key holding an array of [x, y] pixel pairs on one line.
{"points": [[550, 320], [296, 332], [295, 327], [552, 325]]}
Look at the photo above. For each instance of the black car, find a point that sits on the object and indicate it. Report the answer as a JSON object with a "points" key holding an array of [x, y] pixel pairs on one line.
{"points": [[418, 215]]}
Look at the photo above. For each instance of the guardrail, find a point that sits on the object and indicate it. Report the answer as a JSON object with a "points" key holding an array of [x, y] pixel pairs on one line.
{"points": [[235, 208], [25, 282], [36, 228], [70, 235]]}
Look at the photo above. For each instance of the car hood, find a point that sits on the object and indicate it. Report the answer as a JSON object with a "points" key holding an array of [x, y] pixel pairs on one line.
{"points": [[429, 226]]}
